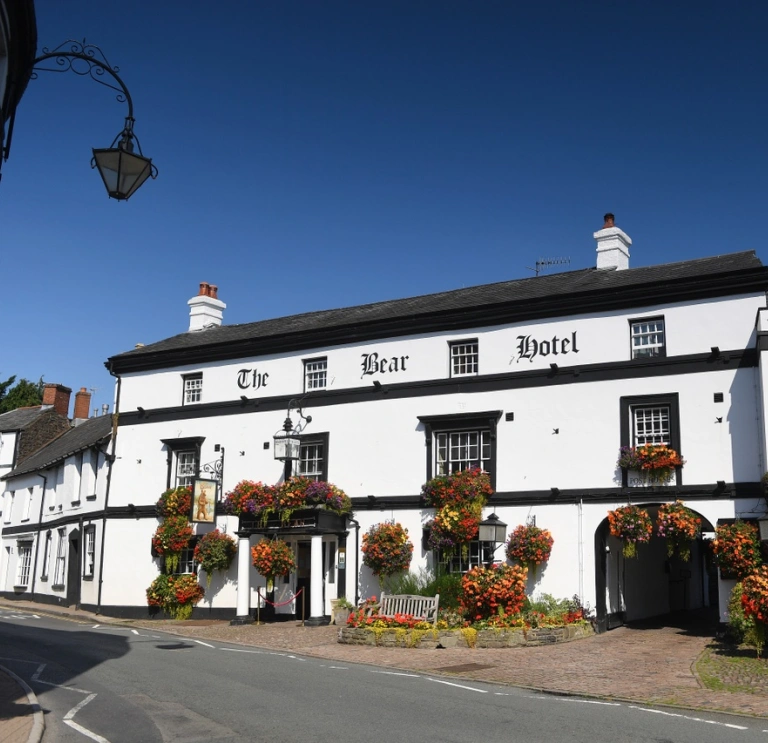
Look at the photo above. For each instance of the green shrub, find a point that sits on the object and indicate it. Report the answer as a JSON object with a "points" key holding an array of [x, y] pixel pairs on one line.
{"points": [[741, 628], [426, 583]]}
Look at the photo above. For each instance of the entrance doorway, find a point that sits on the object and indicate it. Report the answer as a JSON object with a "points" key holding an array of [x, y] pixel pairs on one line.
{"points": [[73, 569], [652, 584], [303, 576]]}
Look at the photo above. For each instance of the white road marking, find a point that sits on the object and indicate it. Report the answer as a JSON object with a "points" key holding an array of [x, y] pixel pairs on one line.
{"points": [[687, 717], [591, 701], [395, 673], [339, 668], [135, 631], [80, 729], [501, 694], [458, 686], [95, 626], [240, 650], [200, 642], [35, 616]]}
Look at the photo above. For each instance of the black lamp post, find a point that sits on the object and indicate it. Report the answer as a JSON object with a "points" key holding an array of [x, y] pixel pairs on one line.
{"points": [[492, 532], [287, 441], [122, 169]]}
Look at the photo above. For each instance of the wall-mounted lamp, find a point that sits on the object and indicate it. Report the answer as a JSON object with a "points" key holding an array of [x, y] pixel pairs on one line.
{"points": [[492, 530], [287, 441]]}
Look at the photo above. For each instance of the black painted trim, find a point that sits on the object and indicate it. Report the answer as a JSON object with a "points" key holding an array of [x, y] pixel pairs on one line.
{"points": [[568, 304], [589, 373], [705, 491], [319, 438], [672, 400]]}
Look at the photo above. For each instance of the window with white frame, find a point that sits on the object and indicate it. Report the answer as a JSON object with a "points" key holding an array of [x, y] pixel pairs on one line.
{"points": [[313, 457], [186, 468], [315, 374], [187, 562], [47, 556], [477, 553], [461, 441], [9, 499], [459, 450], [193, 388], [647, 337], [61, 559], [23, 564], [650, 425], [464, 358], [89, 554], [28, 504]]}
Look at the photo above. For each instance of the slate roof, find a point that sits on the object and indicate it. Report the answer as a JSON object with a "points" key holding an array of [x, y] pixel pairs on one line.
{"points": [[523, 292], [77, 438], [19, 419]]}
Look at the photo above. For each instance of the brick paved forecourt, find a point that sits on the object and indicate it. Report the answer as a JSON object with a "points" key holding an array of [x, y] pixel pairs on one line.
{"points": [[21, 720]]}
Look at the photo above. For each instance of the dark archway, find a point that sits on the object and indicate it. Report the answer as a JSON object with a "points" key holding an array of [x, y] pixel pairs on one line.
{"points": [[651, 584]]}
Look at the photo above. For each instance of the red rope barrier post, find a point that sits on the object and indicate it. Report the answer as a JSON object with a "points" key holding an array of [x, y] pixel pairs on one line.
{"points": [[303, 613]]}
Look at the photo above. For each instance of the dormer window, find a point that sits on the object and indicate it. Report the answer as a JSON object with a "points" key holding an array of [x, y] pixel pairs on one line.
{"points": [[193, 388], [647, 337]]}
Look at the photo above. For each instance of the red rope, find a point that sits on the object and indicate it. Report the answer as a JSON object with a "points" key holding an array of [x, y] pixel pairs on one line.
{"points": [[295, 596]]}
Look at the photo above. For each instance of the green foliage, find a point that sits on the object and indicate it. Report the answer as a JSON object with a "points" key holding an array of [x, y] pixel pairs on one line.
{"points": [[426, 583], [20, 395], [742, 629]]}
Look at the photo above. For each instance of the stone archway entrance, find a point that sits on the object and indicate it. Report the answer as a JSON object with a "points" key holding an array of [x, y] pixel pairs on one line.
{"points": [[651, 584]]}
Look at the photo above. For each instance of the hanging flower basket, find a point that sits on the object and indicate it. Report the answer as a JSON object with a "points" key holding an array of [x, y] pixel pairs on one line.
{"points": [[632, 525], [175, 502], [387, 549], [171, 537], [458, 499], [754, 600], [529, 545], [273, 557], [176, 595], [679, 526], [214, 551], [654, 463], [737, 549]]}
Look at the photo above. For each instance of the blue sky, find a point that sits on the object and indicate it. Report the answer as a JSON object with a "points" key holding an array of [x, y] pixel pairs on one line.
{"points": [[322, 154]]}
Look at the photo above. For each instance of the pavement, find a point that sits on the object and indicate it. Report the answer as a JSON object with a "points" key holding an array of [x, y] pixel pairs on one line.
{"points": [[653, 663]]}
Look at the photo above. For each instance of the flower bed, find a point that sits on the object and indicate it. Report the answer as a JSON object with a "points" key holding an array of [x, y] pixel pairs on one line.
{"points": [[402, 637]]}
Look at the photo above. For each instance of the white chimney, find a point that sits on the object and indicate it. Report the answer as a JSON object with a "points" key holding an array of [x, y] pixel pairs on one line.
{"points": [[206, 309], [612, 247]]}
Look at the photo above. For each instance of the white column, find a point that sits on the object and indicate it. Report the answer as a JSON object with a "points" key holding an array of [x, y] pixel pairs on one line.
{"points": [[352, 576], [316, 581], [243, 580]]}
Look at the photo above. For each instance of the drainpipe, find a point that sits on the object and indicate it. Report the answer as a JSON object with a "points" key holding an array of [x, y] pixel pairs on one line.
{"points": [[581, 549], [39, 532], [110, 461], [357, 558]]}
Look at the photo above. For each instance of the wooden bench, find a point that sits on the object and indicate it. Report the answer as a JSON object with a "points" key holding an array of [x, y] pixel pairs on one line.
{"points": [[423, 608]]}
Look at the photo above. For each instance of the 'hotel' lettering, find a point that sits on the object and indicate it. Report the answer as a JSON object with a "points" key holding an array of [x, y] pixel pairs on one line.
{"points": [[529, 348]]}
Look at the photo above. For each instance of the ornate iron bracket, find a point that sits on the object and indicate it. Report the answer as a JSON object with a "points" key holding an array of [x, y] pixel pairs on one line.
{"points": [[68, 53], [213, 469]]}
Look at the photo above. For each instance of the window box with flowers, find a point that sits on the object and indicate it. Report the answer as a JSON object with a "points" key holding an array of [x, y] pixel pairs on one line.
{"points": [[265, 503], [632, 525], [649, 464]]}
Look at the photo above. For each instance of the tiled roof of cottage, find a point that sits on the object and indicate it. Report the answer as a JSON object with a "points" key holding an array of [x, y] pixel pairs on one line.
{"points": [[528, 292], [78, 438], [19, 419]]}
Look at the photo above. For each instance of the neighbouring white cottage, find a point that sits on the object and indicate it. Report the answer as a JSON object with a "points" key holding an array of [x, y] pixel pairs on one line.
{"points": [[539, 381]]}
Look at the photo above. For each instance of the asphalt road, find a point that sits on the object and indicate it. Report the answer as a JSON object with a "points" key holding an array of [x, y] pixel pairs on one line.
{"points": [[122, 685]]}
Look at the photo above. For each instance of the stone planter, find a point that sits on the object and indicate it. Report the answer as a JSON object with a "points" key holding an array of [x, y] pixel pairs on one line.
{"points": [[463, 638]]}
